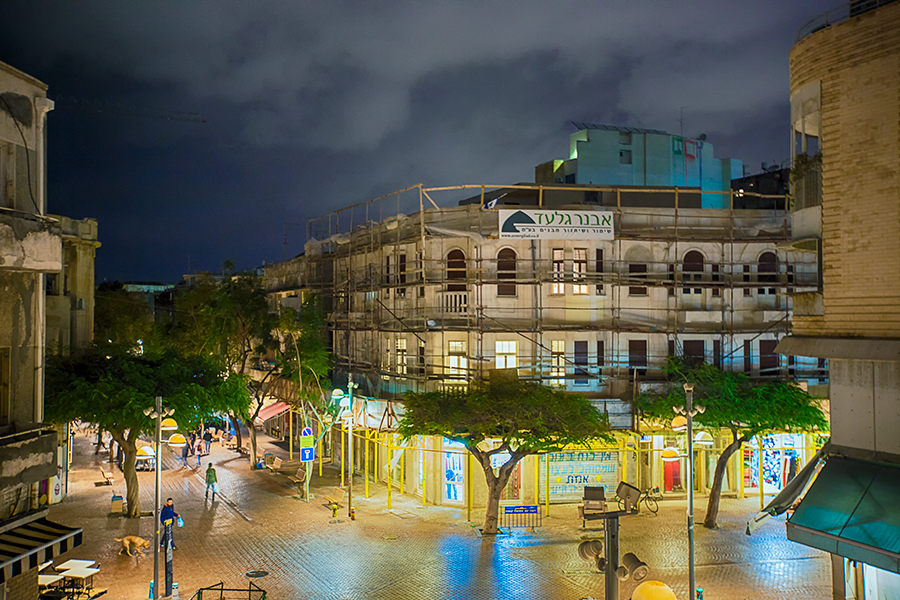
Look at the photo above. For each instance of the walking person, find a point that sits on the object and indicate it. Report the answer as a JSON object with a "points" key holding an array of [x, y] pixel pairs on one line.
{"points": [[185, 450], [207, 439], [168, 512], [212, 481], [199, 450]]}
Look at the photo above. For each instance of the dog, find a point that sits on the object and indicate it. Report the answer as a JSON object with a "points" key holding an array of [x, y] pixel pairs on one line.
{"points": [[133, 542]]}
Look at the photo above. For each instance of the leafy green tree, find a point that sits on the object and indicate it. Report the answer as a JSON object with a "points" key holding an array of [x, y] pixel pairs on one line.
{"points": [[121, 317], [111, 386], [229, 320], [500, 417], [731, 402]]}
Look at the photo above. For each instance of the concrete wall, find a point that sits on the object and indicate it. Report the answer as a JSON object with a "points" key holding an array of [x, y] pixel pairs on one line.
{"points": [[865, 407]]}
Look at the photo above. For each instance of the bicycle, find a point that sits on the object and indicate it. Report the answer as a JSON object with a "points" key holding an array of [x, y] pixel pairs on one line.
{"points": [[648, 498]]}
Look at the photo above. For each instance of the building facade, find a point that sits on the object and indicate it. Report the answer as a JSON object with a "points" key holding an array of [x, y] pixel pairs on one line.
{"points": [[592, 303], [845, 111], [31, 248]]}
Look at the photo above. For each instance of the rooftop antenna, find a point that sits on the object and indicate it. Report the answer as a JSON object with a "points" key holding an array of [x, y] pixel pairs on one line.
{"points": [[681, 122]]}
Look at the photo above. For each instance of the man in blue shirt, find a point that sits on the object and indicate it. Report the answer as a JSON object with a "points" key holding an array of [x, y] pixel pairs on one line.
{"points": [[168, 512]]}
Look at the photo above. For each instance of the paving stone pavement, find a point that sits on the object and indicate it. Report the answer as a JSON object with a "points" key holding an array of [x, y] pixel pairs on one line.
{"points": [[411, 552]]}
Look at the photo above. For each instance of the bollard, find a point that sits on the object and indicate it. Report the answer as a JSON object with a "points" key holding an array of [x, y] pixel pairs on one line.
{"points": [[352, 514], [334, 509]]}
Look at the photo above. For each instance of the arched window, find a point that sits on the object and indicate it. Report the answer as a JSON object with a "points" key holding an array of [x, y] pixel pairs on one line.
{"points": [[692, 270], [506, 272], [767, 272], [456, 271]]}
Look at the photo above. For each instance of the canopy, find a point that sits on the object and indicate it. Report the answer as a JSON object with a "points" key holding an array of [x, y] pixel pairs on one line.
{"points": [[272, 411], [28, 546], [852, 510]]}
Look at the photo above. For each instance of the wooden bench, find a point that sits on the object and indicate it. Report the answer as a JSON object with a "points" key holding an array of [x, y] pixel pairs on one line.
{"points": [[108, 477], [336, 497], [244, 451]]}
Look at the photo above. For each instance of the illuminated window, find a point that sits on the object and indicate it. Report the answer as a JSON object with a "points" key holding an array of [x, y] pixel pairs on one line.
{"points": [[559, 271], [558, 363], [456, 363], [579, 270], [401, 356], [506, 355]]}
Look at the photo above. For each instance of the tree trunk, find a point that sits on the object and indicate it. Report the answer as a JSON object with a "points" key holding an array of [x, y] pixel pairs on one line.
{"points": [[495, 484], [715, 492], [252, 430], [236, 422], [132, 489]]}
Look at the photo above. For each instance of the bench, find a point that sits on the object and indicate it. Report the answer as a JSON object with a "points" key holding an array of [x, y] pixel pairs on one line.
{"points": [[244, 451], [108, 477], [336, 497]]}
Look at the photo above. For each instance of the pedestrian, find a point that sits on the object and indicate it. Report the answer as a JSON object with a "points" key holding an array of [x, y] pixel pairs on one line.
{"points": [[207, 439], [199, 450], [193, 441], [211, 481], [168, 512], [185, 450]]}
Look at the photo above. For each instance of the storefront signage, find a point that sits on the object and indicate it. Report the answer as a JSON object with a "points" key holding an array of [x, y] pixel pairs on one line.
{"points": [[556, 224], [571, 471]]}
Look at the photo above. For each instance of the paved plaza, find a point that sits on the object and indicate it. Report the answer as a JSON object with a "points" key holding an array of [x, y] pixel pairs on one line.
{"points": [[409, 552]]}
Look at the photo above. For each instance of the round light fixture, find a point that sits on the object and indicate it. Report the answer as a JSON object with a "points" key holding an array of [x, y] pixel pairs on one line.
{"points": [[145, 453], [670, 454], [168, 424], [653, 590], [679, 423], [177, 440], [703, 438]]}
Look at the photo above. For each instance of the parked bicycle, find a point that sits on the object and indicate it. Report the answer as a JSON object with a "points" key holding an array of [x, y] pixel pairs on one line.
{"points": [[647, 498]]}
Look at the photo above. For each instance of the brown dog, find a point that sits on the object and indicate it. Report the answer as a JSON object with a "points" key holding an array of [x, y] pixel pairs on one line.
{"points": [[133, 542]]}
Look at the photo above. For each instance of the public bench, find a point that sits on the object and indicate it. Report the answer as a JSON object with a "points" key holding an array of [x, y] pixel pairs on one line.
{"points": [[108, 477]]}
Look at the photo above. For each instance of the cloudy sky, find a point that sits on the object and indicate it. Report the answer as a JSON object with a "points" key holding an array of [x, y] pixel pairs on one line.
{"points": [[312, 106]]}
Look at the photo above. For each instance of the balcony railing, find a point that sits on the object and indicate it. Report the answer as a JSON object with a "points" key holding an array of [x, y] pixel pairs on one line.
{"points": [[854, 8]]}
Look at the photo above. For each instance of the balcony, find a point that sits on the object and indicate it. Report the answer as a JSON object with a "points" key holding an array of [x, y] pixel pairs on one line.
{"points": [[29, 243], [29, 454]]}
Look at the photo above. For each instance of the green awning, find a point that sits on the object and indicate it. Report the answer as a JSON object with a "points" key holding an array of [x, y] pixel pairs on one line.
{"points": [[852, 510]]}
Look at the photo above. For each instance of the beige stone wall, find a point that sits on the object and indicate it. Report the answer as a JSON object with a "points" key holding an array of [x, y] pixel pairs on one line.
{"points": [[24, 586], [858, 65]]}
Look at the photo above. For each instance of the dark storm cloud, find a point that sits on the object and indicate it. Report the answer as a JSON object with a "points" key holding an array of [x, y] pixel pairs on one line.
{"points": [[310, 106]]}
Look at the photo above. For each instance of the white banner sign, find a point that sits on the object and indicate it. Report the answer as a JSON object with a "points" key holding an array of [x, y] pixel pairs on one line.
{"points": [[556, 224]]}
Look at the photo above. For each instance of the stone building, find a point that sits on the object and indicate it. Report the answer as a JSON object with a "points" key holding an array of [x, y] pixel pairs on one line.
{"points": [[31, 248], [584, 288], [845, 111]]}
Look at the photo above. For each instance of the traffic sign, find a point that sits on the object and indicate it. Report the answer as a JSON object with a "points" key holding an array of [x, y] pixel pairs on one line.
{"points": [[307, 454], [306, 431]]}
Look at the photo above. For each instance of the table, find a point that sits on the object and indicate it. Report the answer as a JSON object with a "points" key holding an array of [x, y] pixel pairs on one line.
{"points": [[48, 580], [74, 564], [84, 575]]}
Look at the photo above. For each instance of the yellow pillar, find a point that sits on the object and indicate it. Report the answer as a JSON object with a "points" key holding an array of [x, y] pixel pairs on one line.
{"points": [[547, 490], [761, 504], [320, 451], [291, 430], [403, 472], [740, 469], [424, 473], [367, 463], [390, 484], [468, 489], [343, 452], [537, 479]]}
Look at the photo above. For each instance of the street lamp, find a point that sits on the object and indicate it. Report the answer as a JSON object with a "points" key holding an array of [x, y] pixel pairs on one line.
{"points": [[689, 413], [162, 424], [348, 404]]}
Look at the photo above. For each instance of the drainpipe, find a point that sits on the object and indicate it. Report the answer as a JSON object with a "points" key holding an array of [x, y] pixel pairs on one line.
{"points": [[43, 106]]}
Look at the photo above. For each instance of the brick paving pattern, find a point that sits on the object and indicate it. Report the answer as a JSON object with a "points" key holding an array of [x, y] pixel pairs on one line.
{"points": [[411, 552]]}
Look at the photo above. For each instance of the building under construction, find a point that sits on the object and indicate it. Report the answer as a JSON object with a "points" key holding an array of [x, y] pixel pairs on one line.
{"points": [[585, 288]]}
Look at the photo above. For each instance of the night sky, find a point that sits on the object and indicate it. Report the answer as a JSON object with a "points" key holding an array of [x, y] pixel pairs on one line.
{"points": [[312, 106]]}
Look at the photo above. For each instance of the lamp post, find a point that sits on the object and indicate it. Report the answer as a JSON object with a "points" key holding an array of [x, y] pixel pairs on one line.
{"points": [[161, 425], [689, 413], [350, 386]]}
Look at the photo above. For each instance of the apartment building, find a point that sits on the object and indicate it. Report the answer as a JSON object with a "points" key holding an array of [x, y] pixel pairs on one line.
{"points": [[845, 113], [31, 248]]}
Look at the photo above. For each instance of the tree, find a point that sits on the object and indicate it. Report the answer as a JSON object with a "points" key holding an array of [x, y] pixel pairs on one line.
{"points": [[111, 386], [732, 402], [500, 417], [230, 321]]}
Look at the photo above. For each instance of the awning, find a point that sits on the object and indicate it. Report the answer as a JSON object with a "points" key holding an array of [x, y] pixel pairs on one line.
{"points": [[793, 490], [273, 410], [852, 510], [30, 545]]}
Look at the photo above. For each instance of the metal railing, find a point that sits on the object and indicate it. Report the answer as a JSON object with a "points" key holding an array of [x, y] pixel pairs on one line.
{"points": [[220, 592], [854, 8]]}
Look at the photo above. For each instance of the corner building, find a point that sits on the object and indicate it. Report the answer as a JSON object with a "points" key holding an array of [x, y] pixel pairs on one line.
{"points": [[845, 110]]}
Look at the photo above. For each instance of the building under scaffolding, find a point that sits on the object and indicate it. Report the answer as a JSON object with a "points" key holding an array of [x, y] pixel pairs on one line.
{"points": [[423, 289]]}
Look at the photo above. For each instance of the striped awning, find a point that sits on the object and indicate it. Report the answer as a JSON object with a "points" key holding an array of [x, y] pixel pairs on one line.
{"points": [[34, 543], [272, 411]]}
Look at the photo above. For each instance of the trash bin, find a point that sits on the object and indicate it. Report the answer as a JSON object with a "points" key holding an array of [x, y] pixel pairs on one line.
{"points": [[269, 458], [117, 505]]}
